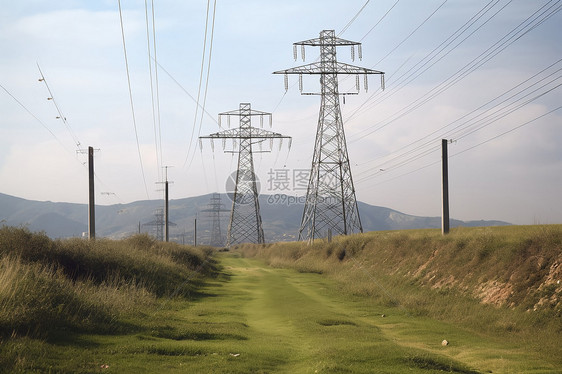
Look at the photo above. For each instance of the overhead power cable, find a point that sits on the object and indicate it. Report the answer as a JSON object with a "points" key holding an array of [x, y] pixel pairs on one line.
{"points": [[465, 150], [60, 116], [152, 95], [411, 33], [515, 34], [354, 18], [400, 81], [190, 144], [206, 80], [157, 84], [209, 115], [36, 118], [131, 98], [474, 115], [380, 20], [466, 128]]}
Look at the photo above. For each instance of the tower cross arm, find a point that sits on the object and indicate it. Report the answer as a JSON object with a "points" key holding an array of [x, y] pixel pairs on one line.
{"points": [[243, 133], [324, 41], [319, 68], [251, 112]]}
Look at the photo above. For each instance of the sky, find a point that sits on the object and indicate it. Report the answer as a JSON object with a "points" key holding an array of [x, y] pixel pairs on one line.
{"points": [[483, 74]]}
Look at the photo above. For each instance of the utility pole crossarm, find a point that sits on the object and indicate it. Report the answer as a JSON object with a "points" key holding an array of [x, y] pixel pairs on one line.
{"points": [[252, 112], [321, 41], [241, 134], [320, 68]]}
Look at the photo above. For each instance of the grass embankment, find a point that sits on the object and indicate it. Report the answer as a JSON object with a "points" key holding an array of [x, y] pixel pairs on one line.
{"points": [[501, 282], [52, 291]]}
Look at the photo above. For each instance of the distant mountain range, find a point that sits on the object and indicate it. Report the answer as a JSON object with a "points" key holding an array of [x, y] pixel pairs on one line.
{"points": [[280, 215]]}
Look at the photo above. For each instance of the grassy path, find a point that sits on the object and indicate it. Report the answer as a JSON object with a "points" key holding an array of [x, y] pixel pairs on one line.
{"points": [[263, 320]]}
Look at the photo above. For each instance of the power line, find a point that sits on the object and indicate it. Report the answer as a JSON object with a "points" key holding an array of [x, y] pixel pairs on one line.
{"points": [[469, 129], [365, 178], [411, 33], [157, 84], [60, 116], [50, 132], [463, 151], [354, 18], [477, 62], [208, 74], [188, 94], [430, 56], [468, 115], [200, 82], [34, 116], [154, 123], [131, 98], [508, 131], [380, 20]]}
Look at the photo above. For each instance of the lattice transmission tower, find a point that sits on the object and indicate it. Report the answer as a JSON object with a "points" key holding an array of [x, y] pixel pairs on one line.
{"points": [[214, 210], [330, 205], [245, 224]]}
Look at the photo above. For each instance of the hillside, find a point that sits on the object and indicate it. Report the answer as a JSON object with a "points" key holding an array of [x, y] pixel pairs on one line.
{"points": [[515, 267], [281, 219]]}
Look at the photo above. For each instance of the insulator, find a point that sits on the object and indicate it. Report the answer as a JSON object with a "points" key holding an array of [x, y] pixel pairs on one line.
{"points": [[352, 53], [286, 82], [212, 145], [366, 83], [228, 120], [360, 52], [261, 147], [382, 82], [270, 121], [290, 143], [295, 51], [234, 144], [302, 51], [271, 143], [223, 144], [220, 120], [300, 82], [343, 99], [280, 143], [357, 82], [201, 144], [261, 121]]}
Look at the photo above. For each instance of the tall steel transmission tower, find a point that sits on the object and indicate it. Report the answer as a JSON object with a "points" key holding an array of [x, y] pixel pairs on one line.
{"points": [[330, 205], [245, 220], [214, 210]]}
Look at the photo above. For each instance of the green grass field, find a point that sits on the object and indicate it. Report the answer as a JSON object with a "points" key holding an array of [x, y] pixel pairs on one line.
{"points": [[314, 311]]}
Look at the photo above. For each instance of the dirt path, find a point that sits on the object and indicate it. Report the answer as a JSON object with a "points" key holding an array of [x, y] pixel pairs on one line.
{"points": [[299, 322]]}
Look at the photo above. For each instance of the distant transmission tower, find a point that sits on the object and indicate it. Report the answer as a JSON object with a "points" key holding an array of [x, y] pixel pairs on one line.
{"points": [[158, 224], [330, 205], [214, 210], [245, 220]]}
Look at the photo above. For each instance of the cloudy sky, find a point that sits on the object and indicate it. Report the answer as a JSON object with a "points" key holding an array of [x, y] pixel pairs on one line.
{"points": [[483, 74]]}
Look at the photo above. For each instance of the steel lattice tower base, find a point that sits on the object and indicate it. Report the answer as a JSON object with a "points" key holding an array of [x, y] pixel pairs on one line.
{"points": [[330, 206], [245, 220]]}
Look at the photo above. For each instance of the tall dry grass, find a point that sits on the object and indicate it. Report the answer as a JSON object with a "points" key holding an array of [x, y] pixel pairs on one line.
{"points": [[500, 279], [48, 286]]}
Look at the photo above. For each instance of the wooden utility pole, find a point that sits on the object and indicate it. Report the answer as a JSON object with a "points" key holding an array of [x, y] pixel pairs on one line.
{"points": [[166, 215], [91, 202], [195, 233], [445, 188]]}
